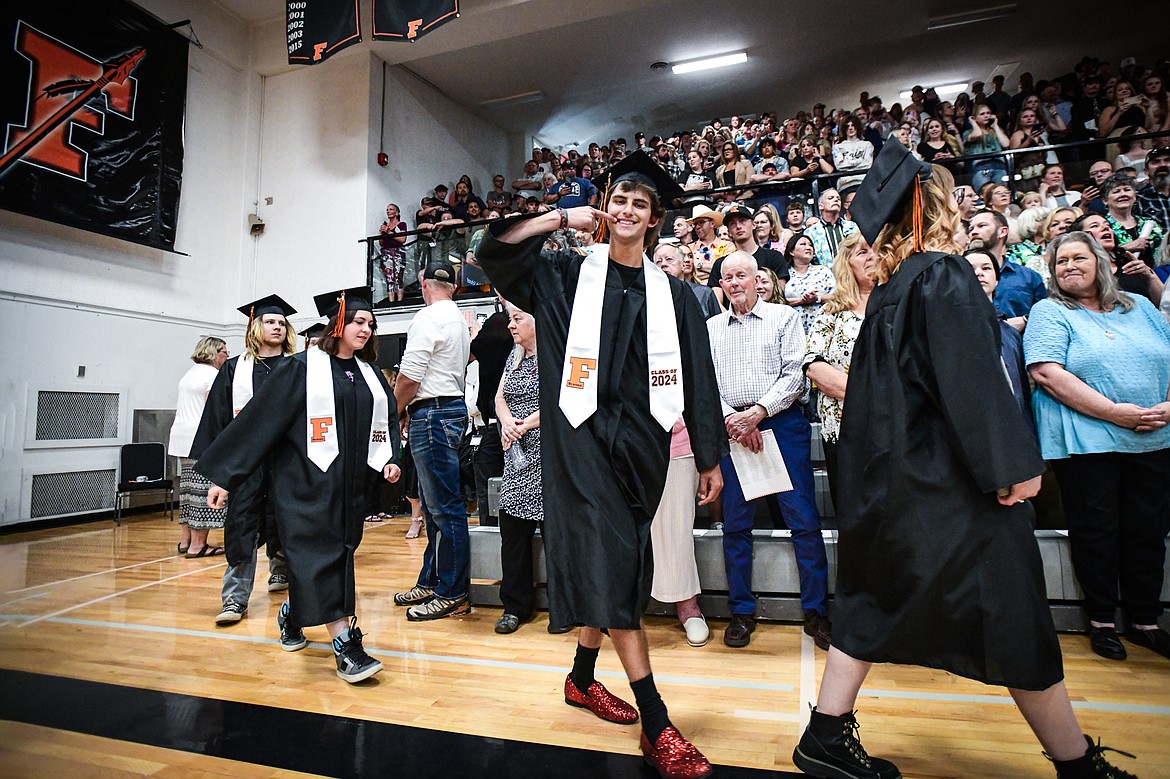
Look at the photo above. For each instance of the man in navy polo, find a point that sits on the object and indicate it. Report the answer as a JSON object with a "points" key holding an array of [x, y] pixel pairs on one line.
{"points": [[573, 190]]}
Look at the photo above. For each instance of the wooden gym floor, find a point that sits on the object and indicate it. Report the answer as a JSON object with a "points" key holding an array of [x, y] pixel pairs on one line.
{"points": [[111, 666]]}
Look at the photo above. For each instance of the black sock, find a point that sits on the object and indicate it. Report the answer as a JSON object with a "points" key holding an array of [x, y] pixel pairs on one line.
{"points": [[584, 664], [825, 725], [651, 707]]}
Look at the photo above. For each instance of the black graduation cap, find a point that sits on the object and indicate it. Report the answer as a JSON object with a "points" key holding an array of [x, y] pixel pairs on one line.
{"points": [[642, 168], [270, 304], [356, 299], [313, 331], [340, 301], [886, 187]]}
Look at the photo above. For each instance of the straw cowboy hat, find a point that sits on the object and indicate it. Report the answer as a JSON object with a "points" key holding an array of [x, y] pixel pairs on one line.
{"points": [[703, 212]]}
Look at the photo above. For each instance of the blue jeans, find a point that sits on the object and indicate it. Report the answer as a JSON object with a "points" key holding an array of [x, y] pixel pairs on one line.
{"points": [[985, 171], [435, 434], [799, 509]]}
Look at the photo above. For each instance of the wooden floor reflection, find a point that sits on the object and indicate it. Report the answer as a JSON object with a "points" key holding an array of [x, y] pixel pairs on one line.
{"points": [[118, 605]]}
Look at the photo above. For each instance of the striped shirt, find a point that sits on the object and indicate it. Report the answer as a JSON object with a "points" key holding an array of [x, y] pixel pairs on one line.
{"points": [[758, 357]]}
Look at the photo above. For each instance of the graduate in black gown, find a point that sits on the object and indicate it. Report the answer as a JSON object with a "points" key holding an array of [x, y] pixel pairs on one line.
{"points": [[322, 420], [937, 562], [268, 339], [604, 476]]}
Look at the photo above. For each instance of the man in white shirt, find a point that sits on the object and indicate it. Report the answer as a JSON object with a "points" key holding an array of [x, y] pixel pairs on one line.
{"points": [[531, 183], [757, 349], [430, 396]]}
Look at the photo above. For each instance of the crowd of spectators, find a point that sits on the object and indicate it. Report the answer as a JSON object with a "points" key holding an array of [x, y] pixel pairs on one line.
{"points": [[772, 164]]}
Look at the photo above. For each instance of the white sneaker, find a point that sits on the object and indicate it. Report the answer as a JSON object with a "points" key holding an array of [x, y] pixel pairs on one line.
{"points": [[698, 634]]}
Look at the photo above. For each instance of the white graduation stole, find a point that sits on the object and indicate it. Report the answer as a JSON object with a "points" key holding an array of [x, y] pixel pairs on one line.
{"points": [[320, 413], [579, 375], [242, 383]]}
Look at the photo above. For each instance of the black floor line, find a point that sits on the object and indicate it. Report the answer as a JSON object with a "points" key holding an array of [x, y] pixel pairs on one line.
{"points": [[303, 741]]}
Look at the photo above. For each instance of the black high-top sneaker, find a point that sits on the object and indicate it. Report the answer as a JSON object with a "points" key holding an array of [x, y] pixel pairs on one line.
{"points": [[830, 749], [292, 638], [353, 664], [1091, 765]]}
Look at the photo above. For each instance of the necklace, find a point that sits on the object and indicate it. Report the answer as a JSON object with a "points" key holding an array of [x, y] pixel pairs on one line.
{"points": [[1104, 327]]}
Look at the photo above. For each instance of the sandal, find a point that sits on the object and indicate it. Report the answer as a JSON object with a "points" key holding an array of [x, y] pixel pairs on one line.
{"points": [[416, 526], [373, 518], [181, 549], [207, 551]]}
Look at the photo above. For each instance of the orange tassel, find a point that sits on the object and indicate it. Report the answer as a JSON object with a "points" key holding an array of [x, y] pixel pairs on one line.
{"points": [[339, 325], [251, 316], [917, 216], [602, 231]]}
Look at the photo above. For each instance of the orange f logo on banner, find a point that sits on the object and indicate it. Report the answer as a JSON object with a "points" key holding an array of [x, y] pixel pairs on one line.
{"points": [[317, 49], [581, 366], [321, 426], [412, 28]]}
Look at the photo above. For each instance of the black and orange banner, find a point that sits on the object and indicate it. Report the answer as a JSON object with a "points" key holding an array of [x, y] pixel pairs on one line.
{"points": [[409, 20], [91, 117], [318, 29]]}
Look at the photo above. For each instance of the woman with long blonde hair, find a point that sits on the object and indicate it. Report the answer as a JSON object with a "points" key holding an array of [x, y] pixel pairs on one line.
{"points": [[937, 562], [833, 337]]}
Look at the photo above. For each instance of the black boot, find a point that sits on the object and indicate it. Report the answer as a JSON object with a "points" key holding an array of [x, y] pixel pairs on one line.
{"points": [[830, 749], [1091, 765]]}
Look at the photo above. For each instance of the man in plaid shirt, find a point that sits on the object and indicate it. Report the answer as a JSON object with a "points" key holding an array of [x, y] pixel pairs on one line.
{"points": [[1153, 200], [758, 349]]}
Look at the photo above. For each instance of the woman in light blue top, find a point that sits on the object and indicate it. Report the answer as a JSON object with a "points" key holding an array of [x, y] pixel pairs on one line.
{"points": [[1101, 362]]}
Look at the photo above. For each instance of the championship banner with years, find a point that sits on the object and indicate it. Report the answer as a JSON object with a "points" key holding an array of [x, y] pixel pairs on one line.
{"points": [[318, 29], [409, 20], [91, 117]]}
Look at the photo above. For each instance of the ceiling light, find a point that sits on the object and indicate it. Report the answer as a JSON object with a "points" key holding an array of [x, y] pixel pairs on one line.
{"points": [[710, 62], [945, 89], [970, 17]]}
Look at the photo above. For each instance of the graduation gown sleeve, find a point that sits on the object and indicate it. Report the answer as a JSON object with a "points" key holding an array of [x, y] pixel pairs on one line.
{"points": [[512, 267], [241, 447], [983, 420]]}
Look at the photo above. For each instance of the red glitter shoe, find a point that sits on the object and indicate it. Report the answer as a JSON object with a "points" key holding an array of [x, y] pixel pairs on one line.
{"points": [[601, 702], [673, 757]]}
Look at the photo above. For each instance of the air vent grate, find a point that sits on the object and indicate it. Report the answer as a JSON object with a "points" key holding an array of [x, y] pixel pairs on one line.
{"points": [[72, 416], [72, 492]]}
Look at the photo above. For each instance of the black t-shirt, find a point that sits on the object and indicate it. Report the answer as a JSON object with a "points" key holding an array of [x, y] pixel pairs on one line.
{"points": [[628, 274], [765, 258], [690, 177], [928, 152], [491, 348]]}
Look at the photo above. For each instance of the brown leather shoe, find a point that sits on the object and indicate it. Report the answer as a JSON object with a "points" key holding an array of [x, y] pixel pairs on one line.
{"points": [[819, 628], [739, 630]]}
